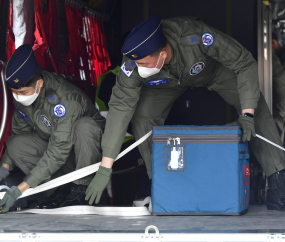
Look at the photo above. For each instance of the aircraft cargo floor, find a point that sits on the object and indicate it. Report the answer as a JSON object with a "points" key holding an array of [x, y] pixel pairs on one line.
{"points": [[257, 220]]}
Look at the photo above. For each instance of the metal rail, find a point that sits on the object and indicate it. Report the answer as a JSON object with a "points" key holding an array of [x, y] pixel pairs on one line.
{"points": [[5, 101]]}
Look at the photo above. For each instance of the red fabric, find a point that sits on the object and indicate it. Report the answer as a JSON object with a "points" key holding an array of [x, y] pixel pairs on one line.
{"points": [[10, 45], [86, 49], [87, 57], [88, 53], [46, 35], [10, 48]]}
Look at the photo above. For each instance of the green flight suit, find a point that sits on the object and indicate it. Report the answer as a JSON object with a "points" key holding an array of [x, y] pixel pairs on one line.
{"points": [[225, 67], [278, 73], [46, 146]]}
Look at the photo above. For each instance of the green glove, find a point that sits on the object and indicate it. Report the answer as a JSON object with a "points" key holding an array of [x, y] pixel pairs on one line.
{"points": [[247, 125], [10, 198], [98, 184], [3, 173]]}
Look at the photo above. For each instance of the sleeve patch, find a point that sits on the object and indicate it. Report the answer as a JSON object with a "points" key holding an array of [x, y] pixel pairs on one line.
{"points": [[207, 39], [126, 71], [59, 110]]}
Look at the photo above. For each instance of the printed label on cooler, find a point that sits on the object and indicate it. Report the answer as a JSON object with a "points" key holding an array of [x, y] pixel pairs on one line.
{"points": [[246, 183]]}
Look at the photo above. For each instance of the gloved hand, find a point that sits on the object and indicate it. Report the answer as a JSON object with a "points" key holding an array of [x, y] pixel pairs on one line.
{"points": [[247, 125], [10, 198], [3, 173], [98, 184]]}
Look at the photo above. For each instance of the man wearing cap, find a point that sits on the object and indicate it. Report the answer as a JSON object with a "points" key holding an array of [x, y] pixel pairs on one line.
{"points": [[164, 58], [56, 129]]}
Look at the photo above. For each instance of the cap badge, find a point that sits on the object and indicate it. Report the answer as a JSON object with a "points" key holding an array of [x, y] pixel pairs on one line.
{"points": [[134, 55], [16, 81]]}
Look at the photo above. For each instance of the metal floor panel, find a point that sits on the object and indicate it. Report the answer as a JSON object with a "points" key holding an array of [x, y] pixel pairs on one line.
{"points": [[257, 220]]}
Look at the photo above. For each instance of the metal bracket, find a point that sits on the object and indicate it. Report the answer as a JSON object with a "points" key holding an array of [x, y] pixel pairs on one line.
{"points": [[150, 237]]}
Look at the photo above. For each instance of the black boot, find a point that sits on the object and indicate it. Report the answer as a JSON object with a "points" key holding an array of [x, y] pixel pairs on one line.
{"points": [[76, 196], [276, 193], [57, 198], [275, 202]]}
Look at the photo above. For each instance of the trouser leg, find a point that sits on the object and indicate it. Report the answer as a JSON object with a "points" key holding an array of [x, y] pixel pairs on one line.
{"points": [[152, 109], [279, 97], [87, 145], [270, 157], [86, 151], [25, 150], [279, 117]]}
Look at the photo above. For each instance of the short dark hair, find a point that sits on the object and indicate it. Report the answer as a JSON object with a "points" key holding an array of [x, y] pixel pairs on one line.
{"points": [[29, 83], [164, 44]]}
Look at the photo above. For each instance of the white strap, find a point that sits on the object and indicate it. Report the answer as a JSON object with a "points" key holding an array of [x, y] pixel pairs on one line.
{"points": [[90, 210], [111, 211], [75, 175], [3, 187], [268, 141]]}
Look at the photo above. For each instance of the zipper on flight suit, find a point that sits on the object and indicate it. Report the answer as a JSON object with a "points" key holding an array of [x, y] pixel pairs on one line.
{"points": [[33, 115], [55, 124], [168, 75]]}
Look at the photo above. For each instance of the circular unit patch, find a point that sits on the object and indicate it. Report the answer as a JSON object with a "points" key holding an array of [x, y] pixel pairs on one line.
{"points": [[197, 68], [46, 121], [207, 39], [59, 110]]}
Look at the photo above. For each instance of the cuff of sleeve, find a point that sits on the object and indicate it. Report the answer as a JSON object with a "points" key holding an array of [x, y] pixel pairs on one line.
{"points": [[32, 181], [104, 171], [7, 160], [110, 153], [4, 172], [249, 103]]}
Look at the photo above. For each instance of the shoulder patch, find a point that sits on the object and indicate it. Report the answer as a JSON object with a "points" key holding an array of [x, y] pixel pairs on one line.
{"points": [[156, 82], [130, 65], [52, 98], [46, 121], [193, 39], [207, 39], [196, 68], [59, 110], [23, 115], [126, 71]]}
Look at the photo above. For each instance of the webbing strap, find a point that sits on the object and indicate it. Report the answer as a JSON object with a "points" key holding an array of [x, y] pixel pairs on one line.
{"points": [[75, 175], [91, 210], [109, 211]]}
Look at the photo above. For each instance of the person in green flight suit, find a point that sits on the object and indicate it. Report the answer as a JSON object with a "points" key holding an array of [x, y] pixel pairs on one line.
{"points": [[278, 81], [56, 129], [162, 59]]}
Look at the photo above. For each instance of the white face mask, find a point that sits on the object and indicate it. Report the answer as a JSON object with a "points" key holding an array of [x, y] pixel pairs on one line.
{"points": [[26, 100], [146, 72]]}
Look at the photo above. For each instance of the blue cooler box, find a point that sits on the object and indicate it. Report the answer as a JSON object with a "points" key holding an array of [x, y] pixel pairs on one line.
{"points": [[199, 170]]}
